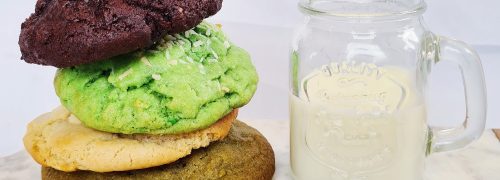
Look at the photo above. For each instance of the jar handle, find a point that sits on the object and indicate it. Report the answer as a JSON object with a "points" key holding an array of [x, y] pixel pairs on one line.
{"points": [[471, 69]]}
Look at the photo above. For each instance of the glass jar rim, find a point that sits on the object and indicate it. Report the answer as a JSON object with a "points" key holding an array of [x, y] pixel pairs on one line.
{"points": [[306, 7]]}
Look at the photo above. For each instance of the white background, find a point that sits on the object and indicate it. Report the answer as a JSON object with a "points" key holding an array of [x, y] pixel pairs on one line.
{"points": [[264, 28]]}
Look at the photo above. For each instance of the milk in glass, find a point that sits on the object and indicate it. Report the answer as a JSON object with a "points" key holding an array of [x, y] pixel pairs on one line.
{"points": [[358, 122]]}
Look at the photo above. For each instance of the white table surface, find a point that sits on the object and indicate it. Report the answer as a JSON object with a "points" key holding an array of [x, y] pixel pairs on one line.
{"points": [[480, 161]]}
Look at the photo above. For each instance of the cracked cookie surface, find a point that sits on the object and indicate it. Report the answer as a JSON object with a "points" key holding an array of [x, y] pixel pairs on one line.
{"points": [[65, 33], [60, 141], [186, 83]]}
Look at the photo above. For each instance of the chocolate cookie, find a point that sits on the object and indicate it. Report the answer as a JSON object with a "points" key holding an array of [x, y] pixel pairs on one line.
{"points": [[243, 154], [65, 33]]}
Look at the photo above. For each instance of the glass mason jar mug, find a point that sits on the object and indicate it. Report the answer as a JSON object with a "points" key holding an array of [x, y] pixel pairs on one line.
{"points": [[358, 76]]}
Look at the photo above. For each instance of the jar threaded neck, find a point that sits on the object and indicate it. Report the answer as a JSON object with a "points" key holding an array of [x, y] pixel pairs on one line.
{"points": [[363, 8]]}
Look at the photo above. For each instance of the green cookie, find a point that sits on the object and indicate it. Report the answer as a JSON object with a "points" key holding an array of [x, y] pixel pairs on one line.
{"points": [[186, 83]]}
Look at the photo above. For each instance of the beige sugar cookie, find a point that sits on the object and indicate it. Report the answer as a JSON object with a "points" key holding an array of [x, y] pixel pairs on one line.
{"points": [[58, 140]]}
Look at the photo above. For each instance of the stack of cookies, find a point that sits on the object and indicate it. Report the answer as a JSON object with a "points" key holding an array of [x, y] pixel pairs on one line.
{"points": [[148, 91]]}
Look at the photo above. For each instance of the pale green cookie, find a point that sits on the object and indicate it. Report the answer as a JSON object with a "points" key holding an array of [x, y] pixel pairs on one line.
{"points": [[186, 83]]}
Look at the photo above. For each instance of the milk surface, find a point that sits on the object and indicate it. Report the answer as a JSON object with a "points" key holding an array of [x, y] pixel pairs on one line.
{"points": [[358, 122]]}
